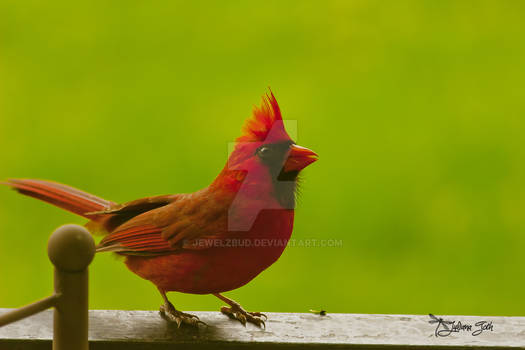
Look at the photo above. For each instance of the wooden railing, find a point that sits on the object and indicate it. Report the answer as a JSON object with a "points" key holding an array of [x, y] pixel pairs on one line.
{"points": [[71, 249], [147, 330]]}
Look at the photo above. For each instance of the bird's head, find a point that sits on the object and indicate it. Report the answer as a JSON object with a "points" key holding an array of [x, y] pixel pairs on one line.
{"points": [[265, 154]]}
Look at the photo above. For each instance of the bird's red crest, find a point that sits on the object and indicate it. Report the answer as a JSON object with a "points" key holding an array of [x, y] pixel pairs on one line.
{"points": [[266, 123]]}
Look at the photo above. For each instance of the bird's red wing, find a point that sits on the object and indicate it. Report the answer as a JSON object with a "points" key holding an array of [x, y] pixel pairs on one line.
{"points": [[137, 240], [189, 222], [141, 234], [119, 214], [137, 206]]}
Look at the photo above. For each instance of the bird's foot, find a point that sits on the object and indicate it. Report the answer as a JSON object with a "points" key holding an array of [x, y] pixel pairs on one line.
{"points": [[236, 312], [170, 314]]}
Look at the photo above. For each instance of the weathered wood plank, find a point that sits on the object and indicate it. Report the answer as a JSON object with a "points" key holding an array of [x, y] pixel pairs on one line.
{"points": [[111, 329]]}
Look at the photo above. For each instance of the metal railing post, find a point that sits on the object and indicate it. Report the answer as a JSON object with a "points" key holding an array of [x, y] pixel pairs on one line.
{"points": [[71, 249]]}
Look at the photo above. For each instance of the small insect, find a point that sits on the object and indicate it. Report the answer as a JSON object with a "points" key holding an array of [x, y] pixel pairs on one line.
{"points": [[318, 312]]}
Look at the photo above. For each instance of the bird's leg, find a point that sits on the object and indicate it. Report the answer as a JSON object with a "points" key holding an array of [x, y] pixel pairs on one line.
{"points": [[236, 312], [170, 314]]}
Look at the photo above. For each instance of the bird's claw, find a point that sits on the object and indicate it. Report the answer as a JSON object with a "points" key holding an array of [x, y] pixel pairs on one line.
{"points": [[243, 316], [171, 314]]}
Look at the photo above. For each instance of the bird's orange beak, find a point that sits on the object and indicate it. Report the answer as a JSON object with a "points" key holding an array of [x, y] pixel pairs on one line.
{"points": [[299, 158]]}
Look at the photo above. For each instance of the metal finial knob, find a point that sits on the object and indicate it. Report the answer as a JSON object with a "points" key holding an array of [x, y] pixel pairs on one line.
{"points": [[71, 248]]}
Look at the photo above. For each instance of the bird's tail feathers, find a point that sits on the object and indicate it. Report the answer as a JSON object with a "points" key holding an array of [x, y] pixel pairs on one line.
{"points": [[62, 196]]}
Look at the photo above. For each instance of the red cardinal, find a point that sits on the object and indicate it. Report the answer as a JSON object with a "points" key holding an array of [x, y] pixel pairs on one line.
{"points": [[210, 241]]}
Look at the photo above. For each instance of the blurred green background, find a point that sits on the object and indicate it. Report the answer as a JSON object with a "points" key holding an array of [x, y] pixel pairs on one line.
{"points": [[416, 109]]}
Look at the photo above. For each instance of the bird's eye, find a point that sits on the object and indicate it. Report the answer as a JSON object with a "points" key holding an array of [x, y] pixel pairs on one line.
{"points": [[264, 151]]}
